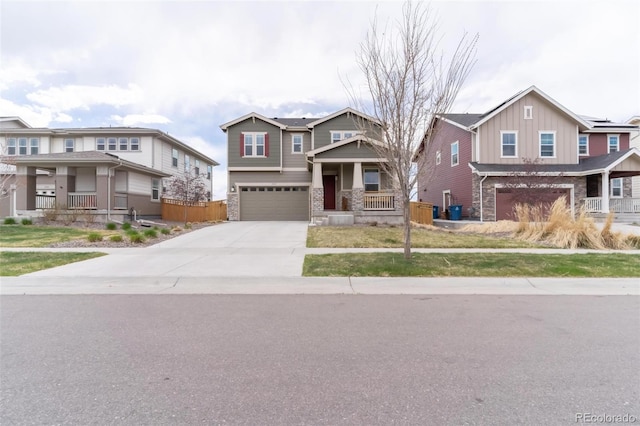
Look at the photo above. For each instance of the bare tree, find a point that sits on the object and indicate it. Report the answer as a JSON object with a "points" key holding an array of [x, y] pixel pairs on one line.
{"points": [[410, 81], [189, 188]]}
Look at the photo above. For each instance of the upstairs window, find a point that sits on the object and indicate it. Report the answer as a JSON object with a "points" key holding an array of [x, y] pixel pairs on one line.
{"points": [[583, 144], [548, 144], [509, 144], [134, 144], [11, 146], [22, 146], [614, 143], [196, 168], [338, 135], [174, 157], [123, 143], [113, 143], [69, 145], [209, 169], [254, 144], [454, 154], [34, 146], [296, 144], [371, 180], [187, 163], [100, 144]]}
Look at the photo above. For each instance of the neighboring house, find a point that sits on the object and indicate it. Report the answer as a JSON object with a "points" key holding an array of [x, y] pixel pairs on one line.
{"points": [[634, 142], [322, 170], [106, 171], [478, 158]]}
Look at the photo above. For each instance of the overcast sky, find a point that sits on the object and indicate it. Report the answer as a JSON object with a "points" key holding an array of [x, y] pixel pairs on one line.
{"points": [[186, 67]]}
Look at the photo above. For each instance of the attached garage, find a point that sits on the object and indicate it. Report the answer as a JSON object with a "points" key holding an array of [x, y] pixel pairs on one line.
{"points": [[274, 203], [507, 198]]}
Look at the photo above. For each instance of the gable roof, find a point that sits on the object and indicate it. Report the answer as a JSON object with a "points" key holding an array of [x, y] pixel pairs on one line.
{"points": [[18, 120], [253, 115], [356, 138], [533, 89], [348, 110]]}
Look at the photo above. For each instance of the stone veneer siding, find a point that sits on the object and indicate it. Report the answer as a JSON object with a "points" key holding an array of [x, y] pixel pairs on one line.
{"points": [[489, 193], [233, 206], [318, 200], [357, 199]]}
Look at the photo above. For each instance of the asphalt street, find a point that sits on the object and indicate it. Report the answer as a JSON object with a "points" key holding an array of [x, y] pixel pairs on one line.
{"points": [[318, 360]]}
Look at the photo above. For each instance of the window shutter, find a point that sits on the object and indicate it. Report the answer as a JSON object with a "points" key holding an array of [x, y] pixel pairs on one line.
{"points": [[266, 144], [241, 145]]}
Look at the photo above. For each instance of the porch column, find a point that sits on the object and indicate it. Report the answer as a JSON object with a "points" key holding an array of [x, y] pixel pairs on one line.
{"points": [[26, 188], [317, 203], [104, 199], [65, 183], [357, 189], [604, 208]]}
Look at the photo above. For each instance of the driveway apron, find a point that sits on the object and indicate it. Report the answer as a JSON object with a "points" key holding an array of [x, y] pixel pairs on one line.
{"points": [[233, 249]]}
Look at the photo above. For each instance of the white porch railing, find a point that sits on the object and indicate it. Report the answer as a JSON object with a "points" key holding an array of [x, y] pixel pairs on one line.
{"points": [[379, 201], [45, 201], [616, 205], [82, 200]]}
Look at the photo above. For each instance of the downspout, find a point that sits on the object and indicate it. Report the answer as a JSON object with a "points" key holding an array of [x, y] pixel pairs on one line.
{"points": [[481, 205], [109, 190]]}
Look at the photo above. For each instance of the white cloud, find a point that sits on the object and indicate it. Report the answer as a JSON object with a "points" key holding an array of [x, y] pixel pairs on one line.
{"points": [[70, 97], [134, 119]]}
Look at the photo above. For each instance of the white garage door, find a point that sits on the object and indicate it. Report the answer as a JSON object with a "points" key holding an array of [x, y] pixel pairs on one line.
{"points": [[274, 203]]}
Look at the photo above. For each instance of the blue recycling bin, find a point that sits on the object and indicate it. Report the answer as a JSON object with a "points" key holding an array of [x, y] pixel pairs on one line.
{"points": [[436, 212], [456, 211]]}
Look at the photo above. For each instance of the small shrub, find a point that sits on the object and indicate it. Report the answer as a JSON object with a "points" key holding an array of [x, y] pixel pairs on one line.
{"points": [[131, 232], [151, 233], [188, 225], [94, 237], [126, 226], [136, 238], [177, 229], [165, 231], [9, 221], [116, 238], [111, 226], [26, 222]]}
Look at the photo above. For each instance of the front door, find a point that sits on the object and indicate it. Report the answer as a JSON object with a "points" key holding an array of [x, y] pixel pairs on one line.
{"points": [[329, 183]]}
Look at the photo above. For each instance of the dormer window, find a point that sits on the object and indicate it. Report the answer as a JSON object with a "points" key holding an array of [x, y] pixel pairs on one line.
{"points": [[528, 112], [339, 135]]}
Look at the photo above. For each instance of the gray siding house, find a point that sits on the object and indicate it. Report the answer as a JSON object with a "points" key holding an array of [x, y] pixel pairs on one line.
{"points": [[105, 172], [322, 170]]}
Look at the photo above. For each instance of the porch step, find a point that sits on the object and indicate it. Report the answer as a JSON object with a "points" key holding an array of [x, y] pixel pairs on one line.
{"points": [[340, 220]]}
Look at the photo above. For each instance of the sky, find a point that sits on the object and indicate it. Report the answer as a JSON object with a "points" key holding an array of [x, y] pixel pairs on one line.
{"points": [[186, 67]]}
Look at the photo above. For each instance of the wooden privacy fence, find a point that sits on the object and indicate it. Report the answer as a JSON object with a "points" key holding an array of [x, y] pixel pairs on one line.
{"points": [[422, 213], [204, 211]]}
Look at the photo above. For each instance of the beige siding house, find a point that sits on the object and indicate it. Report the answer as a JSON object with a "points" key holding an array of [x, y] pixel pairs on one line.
{"points": [[108, 173], [322, 170]]}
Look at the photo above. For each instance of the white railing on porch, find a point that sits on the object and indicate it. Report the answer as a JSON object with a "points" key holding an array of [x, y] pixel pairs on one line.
{"points": [[379, 201], [45, 201], [82, 200], [120, 202], [616, 205]]}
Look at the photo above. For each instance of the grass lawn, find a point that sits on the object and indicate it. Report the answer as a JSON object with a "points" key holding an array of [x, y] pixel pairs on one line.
{"points": [[13, 264], [472, 265], [388, 237], [41, 236]]}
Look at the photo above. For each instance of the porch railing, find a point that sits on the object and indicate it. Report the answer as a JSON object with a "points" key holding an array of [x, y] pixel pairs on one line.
{"points": [[82, 200], [45, 201], [379, 201], [616, 205]]}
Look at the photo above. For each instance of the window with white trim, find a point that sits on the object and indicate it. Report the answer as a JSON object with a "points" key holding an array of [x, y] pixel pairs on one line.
{"points": [[616, 187], [117, 144], [23, 146], [509, 141], [254, 143], [196, 168], [187, 163], [528, 112], [296, 143], [454, 154], [11, 146], [547, 144], [338, 135], [613, 143], [112, 144], [101, 144], [134, 144], [583, 144], [123, 144], [34, 146], [174, 157], [209, 170], [438, 157], [371, 180], [69, 145], [155, 189]]}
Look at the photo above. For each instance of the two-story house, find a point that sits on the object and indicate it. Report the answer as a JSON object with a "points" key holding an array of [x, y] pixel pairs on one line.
{"points": [[322, 170], [488, 162], [103, 171]]}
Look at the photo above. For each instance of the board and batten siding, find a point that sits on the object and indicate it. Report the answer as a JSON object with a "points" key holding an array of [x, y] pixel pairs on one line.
{"points": [[289, 159], [346, 121], [352, 150], [546, 117], [253, 125]]}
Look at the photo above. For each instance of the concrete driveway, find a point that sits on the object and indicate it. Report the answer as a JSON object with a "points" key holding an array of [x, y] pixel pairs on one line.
{"points": [[233, 249]]}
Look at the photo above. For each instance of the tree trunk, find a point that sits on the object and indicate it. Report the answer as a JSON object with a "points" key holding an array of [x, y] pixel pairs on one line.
{"points": [[407, 227]]}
